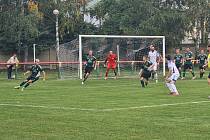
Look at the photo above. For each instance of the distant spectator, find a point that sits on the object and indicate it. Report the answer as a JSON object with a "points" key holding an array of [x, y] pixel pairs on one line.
{"points": [[11, 63]]}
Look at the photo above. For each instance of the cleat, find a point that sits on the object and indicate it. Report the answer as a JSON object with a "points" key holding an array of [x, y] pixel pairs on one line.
{"points": [[171, 93], [175, 94], [105, 78], [82, 83], [16, 87], [115, 77], [183, 78], [194, 78]]}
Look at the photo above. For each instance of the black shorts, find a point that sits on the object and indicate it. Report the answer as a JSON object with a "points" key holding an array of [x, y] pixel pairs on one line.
{"points": [[32, 78], [201, 67], [188, 66], [178, 66], [88, 69], [146, 74]]}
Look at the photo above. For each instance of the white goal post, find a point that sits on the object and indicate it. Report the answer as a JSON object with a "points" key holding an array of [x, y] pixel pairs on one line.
{"points": [[81, 37]]}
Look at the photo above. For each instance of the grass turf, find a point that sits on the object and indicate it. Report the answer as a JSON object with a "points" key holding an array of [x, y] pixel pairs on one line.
{"points": [[56, 109]]}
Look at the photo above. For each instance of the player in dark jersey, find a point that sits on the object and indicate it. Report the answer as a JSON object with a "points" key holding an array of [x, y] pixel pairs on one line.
{"points": [[188, 57], [35, 74], [202, 60], [178, 60], [145, 72], [90, 62]]}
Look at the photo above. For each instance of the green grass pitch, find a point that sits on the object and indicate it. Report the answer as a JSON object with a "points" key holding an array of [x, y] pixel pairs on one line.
{"points": [[104, 110]]}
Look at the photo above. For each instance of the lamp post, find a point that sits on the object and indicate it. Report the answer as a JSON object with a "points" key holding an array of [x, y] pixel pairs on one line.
{"points": [[56, 13], [34, 48]]}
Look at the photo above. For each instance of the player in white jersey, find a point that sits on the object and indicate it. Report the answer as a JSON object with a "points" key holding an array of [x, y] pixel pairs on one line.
{"points": [[154, 57], [172, 76]]}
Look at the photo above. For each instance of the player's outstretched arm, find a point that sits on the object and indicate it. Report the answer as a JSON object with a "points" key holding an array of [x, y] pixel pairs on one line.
{"points": [[27, 72]]}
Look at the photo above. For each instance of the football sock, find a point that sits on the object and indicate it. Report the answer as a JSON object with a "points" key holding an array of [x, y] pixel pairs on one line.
{"points": [[23, 83], [142, 83], [86, 77], [201, 74], [26, 85], [169, 87], [184, 72], [173, 87], [146, 83], [153, 75], [156, 76], [180, 72], [115, 73], [106, 73], [193, 73]]}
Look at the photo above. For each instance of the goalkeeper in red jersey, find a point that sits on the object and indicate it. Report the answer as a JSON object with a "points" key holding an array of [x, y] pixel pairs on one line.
{"points": [[111, 63]]}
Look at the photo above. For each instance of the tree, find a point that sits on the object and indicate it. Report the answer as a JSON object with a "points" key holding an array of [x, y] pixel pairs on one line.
{"points": [[171, 18], [21, 25]]}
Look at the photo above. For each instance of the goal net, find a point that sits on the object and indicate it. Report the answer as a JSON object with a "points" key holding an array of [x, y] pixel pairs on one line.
{"points": [[129, 49], [69, 60]]}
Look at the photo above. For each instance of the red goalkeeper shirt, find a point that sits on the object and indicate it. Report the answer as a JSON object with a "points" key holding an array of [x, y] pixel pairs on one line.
{"points": [[111, 58]]}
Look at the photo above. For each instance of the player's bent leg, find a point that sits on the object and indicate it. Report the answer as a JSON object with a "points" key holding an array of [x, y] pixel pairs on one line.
{"points": [[35, 79], [142, 81], [146, 81], [156, 77], [202, 71], [27, 84], [107, 72], [86, 76], [174, 78], [21, 84], [184, 72], [192, 71], [115, 72], [168, 85]]}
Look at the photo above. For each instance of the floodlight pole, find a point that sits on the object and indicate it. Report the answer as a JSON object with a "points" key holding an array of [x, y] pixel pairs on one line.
{"points": [[34, 48], [56, 13]]}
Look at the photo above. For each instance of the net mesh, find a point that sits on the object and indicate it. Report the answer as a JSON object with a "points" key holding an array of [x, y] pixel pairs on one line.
{"points": [[130, 53], [69, 60]]}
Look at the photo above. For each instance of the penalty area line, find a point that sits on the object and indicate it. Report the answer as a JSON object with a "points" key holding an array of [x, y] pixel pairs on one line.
{"points": [[100, 110]]}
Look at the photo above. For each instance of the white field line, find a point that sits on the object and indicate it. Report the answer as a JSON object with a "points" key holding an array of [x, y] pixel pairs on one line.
{"points": [[101, 110]]}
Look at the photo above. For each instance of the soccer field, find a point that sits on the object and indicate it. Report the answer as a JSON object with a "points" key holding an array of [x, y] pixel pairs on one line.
{"points": [[104, 110]]}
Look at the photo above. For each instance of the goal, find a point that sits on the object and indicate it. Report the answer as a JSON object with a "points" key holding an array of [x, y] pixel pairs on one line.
{"points": [[129, 49]]}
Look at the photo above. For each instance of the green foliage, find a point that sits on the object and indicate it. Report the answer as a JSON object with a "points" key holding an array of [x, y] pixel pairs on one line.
{"points": [[172, 19], [21, 26]]}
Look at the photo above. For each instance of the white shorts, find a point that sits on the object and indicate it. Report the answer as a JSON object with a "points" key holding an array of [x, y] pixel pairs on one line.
{"points": [[174, 77], [155, 67]]}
